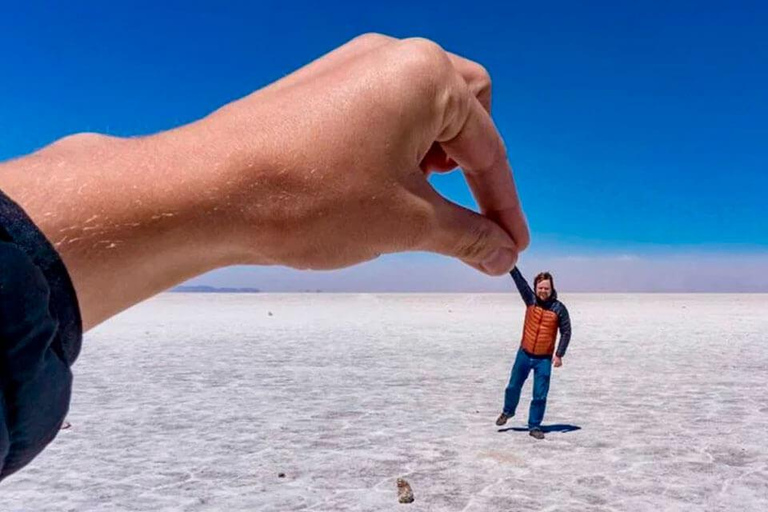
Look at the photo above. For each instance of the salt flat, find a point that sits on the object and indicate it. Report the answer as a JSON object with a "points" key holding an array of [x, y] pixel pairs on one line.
{"points": [[198, 402]]}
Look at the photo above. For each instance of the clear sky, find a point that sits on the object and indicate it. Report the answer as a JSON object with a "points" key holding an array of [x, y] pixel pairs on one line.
{"points": [[637, 130]]}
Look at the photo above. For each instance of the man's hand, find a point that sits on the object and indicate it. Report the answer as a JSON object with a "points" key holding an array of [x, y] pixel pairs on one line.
{"points": [[323, 169], [558, 361], [328, 167]]}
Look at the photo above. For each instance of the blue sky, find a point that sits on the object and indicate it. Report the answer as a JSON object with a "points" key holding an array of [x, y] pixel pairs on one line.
{"points": [[637, 130]]}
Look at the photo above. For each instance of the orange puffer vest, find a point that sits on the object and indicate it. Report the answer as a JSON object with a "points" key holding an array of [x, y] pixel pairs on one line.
{"points": [[539, 331]]}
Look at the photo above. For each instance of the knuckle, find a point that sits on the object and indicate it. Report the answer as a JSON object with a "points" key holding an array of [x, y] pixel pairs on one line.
{"points": [[421, 70], [483, 81], [369, 39], [425, 56], [482, 76], [456, 105]]}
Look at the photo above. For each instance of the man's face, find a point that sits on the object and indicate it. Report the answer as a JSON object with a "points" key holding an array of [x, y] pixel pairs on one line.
{"points": [[544, 289]]}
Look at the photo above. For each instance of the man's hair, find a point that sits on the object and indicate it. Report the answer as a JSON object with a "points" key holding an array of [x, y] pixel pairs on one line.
{"points": [[544, 276]]}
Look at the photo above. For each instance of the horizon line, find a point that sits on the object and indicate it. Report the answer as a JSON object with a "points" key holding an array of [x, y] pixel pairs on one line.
{"points": [[225, 291]]}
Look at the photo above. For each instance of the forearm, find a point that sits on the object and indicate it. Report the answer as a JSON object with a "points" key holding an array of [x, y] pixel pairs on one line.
{"points": [[522, 286], [129, 217]]}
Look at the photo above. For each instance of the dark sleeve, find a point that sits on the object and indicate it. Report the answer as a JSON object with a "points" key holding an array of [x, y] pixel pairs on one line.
{"points": [[565, 330], [522, 286], [40, 338]]}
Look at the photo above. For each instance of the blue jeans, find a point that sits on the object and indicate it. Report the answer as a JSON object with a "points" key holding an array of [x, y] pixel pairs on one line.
{"points": [[542, 370]]}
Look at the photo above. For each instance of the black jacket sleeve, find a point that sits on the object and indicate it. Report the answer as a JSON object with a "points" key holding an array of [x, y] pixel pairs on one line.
{"points": [[40, 338], [565, 330], [522, 286]]}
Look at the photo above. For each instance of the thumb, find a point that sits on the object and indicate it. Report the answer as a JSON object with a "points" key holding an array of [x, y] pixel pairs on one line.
{"points": [[471, 237]]}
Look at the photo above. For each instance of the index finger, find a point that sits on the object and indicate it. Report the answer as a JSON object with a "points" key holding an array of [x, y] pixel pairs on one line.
{"points": [[470, 138], [476, 76]]}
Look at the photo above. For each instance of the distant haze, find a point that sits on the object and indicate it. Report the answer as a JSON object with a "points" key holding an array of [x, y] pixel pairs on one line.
{"points": [[599, 273]]}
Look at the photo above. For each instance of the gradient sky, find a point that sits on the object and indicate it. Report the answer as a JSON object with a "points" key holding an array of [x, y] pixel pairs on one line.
{"points": [[637, 130]]}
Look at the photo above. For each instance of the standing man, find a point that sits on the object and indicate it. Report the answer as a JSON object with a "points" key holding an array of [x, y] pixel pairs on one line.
{"points": [[544, 314]]}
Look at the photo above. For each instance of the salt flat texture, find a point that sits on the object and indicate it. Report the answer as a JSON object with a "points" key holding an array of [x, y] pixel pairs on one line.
{"points": [[197, 402]]}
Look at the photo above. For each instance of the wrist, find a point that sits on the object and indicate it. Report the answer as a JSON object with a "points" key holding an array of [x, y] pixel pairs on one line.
{"points": [[248, 193]]}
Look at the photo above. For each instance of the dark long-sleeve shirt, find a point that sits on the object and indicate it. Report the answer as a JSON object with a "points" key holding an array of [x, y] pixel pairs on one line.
{"points": [[40, 338]]}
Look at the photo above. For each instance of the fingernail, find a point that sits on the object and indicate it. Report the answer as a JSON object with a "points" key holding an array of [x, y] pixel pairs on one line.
{"points": [[499, 261]]}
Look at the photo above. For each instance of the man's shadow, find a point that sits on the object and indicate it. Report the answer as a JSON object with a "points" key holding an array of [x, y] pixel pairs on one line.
{"points": [[558, 427]]}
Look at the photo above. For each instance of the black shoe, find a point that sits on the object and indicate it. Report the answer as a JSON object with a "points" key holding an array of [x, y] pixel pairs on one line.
{"points": [[536, 433], [502, 419]]}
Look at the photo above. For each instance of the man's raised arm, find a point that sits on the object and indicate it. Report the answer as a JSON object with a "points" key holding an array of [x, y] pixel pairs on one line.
{"points": [[522, 286]]}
